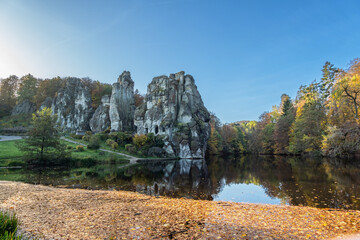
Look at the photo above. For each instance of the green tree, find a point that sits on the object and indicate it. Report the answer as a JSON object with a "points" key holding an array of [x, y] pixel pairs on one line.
{"points": [[328, 79], [8, 88], [309, 126], [43, 146], [27, 88], [48, 88], [282, 126]]}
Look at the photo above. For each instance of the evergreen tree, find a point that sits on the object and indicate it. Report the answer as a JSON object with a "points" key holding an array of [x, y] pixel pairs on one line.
{"points": [[328, 79]]}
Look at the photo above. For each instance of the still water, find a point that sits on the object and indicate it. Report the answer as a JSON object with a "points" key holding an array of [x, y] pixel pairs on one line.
{"points": [[252, 179]]}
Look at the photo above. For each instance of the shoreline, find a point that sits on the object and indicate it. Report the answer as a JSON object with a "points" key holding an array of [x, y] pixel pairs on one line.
{"points": [[57, 213]]}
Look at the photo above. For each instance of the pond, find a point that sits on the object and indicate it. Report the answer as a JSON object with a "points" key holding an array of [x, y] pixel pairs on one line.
{"points": [[252, 179]]}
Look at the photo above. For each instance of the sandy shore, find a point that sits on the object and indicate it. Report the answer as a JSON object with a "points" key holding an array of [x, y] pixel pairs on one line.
{"points": [[55, 213]]}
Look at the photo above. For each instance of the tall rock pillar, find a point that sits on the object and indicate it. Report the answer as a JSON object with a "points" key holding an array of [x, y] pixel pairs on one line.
{"points": [[122, 104]]}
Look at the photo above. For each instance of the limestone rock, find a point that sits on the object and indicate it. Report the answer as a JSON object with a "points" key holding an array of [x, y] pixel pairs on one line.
{"points": [[73, 105], [25, 107], [100, 121], [46, 104], [173, 107], [122, 104]]}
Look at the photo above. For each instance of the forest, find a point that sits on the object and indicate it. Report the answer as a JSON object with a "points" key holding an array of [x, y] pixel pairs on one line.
{"points": [[322, 120]]}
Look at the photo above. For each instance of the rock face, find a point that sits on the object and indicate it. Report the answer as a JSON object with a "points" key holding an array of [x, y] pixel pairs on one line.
{"points": [[73, 105], [100, 121], [46, 104], [122, 104], [173, 107], [26, 107]]}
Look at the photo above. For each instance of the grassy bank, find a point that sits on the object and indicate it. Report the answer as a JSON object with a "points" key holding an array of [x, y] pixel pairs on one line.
{"points": [[11, 156], [119, 149]]}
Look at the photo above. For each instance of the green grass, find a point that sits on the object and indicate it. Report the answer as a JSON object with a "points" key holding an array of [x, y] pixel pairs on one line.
{"points": [[8, 227], [11, 156], [120, 149], [9, 150], [98, 155]]}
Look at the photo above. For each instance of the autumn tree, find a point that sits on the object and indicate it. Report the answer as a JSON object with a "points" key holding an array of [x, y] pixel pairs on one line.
{"points": [[261, 139], [348, 86], [97, 90], [139, 98], [214, 146], [48, 88]]}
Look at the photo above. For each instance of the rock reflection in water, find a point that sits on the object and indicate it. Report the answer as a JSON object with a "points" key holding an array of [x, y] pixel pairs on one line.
{"points": [[294, 181], [183, 178]]}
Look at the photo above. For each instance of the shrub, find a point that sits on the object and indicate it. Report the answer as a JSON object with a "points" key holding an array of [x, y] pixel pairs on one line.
{"points": [[73, 135], [110, 142], [140, 140], [103, 136], [68, 147], [107, 130], [155, 140], [115, 145], [113, 136], [86, 138], [130, 148], [342, 141], [80, 148], [15, 163], [94, 142], [121, 138]]}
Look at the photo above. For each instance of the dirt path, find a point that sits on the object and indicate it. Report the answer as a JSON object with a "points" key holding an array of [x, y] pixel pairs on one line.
{"points": [[129, 157], [132, 159], [53, 213], [9, 138]]}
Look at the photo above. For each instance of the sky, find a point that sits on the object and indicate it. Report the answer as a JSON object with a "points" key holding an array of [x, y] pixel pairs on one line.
{"points": [[242, 54]]}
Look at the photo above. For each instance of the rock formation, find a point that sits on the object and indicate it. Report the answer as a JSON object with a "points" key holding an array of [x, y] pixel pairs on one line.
{"points": [[122, 104], [46, 104], [173, 107], [25, 107], [73, 105], [100, 121]]}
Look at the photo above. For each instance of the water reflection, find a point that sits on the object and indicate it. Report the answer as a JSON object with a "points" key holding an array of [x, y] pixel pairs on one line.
{"points": [[274, 180]]}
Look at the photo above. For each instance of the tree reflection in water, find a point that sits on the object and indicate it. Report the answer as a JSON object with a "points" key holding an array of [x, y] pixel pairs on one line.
{"points": [[294, 180]]}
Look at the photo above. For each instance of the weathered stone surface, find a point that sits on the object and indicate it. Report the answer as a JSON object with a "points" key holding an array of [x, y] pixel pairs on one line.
{"points": [[122, 104], [73, 105], [25, 107], [46, 104], [173, 107], [100, 121]]}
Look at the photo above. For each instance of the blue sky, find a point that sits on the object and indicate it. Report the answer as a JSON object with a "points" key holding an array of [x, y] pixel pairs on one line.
{"points": [[242, 54]]}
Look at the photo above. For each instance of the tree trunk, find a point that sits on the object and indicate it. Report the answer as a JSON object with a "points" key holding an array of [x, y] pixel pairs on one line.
{"points": [[42, 150], [356, 109]]}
